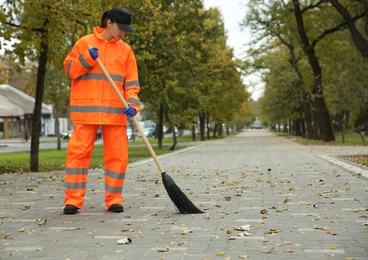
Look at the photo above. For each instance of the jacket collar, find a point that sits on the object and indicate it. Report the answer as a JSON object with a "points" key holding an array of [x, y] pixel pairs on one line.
{"points": [[98, 30]]}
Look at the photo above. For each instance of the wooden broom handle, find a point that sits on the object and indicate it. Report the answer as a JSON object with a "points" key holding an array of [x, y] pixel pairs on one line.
{"points": [[135, 121]]}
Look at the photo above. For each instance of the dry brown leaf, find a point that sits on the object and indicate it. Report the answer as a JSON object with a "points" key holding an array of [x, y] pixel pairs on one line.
{"points": [[5, 236], [271, 231], [43, 222], [267, 251], [23, 229], [263, 211]]}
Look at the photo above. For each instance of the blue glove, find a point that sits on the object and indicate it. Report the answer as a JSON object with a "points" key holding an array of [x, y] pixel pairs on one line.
{"points": [[130, 111], [94, 53]]}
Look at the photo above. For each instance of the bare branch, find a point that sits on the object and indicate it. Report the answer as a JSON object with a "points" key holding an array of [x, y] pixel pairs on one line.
{"points": [[336, 28], [313, 6]]}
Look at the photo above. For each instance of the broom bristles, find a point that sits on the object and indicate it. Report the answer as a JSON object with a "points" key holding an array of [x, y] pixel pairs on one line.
{"points": [[181, 201]]}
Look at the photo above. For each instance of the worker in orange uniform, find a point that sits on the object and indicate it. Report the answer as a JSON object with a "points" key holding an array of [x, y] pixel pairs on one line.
{"points": [[93, 102]]}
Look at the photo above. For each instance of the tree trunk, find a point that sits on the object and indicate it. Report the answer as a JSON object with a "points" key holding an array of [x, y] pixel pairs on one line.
{"points": [[37, 112], [174, 135], [201, 125], [160, 127], [302, 126], [208, 126], [57, 132], [298, 131], [193, 133], [322, 118], [219, 130], [215, 131], [308, 117]]}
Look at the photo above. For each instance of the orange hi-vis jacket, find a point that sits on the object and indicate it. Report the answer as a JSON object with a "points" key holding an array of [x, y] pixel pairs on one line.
{"points": [[92, 98]]}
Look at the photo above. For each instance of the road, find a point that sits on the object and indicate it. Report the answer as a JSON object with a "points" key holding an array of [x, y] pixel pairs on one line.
{"points": [[19, 145], [264, 197]]}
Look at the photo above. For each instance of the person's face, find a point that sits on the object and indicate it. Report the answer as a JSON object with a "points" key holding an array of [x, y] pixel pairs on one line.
{"points": [[115, 30]]}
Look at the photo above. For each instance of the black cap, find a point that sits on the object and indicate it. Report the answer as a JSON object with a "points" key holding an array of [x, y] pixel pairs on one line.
{"points": [[122, 17]]}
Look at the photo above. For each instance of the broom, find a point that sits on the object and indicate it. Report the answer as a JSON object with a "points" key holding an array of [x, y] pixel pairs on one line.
{"points": [[181, 201]]}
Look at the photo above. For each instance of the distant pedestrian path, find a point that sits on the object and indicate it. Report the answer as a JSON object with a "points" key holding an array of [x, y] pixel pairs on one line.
{"points": [[264, 197]]}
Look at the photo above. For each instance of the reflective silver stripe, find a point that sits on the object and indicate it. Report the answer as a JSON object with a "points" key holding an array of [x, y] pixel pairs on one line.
{"points": [[132, 83], [113, 189], [115, 175], [134, 101], [75, 185], [99, 76], [88, 76], [82, 109], [76, 170], [113, 110], [84, 62], [69, 67], [117, 78], [96, 109]]}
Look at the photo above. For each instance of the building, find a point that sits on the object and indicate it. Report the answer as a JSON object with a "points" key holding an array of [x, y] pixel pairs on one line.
{"points": [[16, 112]]}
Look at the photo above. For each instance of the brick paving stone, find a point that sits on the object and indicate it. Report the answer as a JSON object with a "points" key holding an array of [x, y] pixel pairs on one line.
{"points": [[301, 202]]}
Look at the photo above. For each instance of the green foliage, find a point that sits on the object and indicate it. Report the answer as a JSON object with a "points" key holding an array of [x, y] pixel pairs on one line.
{"points": [[184, 64], [277, 53]]}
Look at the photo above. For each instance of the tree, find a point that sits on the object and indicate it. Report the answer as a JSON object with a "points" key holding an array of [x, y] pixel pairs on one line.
{"points": [[179, 48], [320, 110], [39, 26], [274, 21]]}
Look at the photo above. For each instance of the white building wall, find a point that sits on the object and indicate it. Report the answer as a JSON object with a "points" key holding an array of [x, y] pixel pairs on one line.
{"points": [[50, 126]]}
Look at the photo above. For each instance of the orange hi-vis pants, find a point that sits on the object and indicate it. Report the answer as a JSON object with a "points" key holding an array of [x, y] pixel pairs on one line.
{"points": [[79, 156]]}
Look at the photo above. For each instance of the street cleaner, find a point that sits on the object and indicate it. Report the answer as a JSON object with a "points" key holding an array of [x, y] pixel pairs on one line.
{"points": [[94, 103]]}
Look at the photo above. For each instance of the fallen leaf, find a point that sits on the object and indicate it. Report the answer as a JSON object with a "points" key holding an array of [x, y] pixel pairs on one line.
{"points": [[271, 231], [187, 231], [5, 236], [267, 251], [27, 207], [43, 222], [23, 229], [127, 230], [327, 229], [264, 211]]}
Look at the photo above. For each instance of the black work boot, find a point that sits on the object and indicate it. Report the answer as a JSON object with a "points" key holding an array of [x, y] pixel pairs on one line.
{"points": [[116, 208], [70, 209]]}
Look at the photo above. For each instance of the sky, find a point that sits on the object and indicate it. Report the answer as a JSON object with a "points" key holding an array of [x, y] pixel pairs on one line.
{"points": [[233, 12]]}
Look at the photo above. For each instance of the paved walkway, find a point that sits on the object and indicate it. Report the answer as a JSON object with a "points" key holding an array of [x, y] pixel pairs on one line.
{"points": [[293, 202]]}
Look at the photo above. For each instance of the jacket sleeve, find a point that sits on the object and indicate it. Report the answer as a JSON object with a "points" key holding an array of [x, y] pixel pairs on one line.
{"points": [[131, 85], [79, 61]]}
